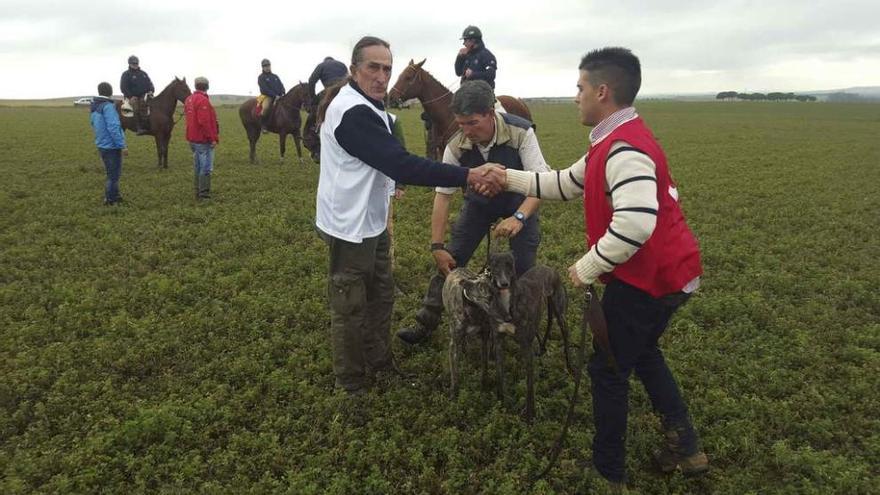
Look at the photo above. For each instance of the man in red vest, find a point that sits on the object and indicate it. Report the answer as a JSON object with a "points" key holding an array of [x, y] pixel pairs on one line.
{"points": [[640, 246], [203, 134]]}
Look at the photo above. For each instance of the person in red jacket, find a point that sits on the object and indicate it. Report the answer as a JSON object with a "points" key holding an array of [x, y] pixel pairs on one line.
{"points": [[203, 134], [640, 246]]}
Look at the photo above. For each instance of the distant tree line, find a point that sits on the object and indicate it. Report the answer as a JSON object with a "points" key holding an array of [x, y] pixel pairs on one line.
{"points": [[776, 96]]}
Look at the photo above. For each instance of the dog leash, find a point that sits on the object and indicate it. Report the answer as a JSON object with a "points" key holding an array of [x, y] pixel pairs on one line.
{"points": [[582, 362], [593, 318]]}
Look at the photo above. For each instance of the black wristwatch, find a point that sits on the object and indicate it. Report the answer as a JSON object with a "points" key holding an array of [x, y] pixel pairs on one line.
{"points": [[520, 216], [438, 246]]}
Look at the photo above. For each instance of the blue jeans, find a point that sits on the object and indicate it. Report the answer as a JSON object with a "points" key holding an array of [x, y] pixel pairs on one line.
{"points": [[203, 158], [113, 165], [635, 323]]}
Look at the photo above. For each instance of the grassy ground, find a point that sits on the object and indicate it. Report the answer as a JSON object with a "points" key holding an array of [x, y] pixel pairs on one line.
{"points": [[170, 346]]}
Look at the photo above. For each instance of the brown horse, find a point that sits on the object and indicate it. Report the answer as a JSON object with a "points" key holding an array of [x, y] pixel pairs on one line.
{"points": [[416, 82], [285, 120], [161, 117]]}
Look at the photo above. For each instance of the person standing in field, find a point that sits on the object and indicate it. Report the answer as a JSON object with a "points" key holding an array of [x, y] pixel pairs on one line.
{"points": [[359, 158], [109, 139], [203, 134], [640, 246]]}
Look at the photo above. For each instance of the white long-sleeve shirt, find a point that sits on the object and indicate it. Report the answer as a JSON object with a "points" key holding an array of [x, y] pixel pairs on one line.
{"points": [[634, 202]]}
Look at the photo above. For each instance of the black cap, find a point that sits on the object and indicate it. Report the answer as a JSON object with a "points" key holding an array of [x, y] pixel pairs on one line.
{"points": [[132, 60], [472, 33]]}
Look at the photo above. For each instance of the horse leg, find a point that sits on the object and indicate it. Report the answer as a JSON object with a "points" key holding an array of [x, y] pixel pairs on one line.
{"points": [[253, 136], [282, 142], [297, 140], [165, 142], [158, 139]]}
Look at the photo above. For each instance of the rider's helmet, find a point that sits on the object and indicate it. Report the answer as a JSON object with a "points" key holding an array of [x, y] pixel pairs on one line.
{"points": [[472, 33]]}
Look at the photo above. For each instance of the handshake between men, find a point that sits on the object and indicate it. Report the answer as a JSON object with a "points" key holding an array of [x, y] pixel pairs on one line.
{"points": [[488, 179]]}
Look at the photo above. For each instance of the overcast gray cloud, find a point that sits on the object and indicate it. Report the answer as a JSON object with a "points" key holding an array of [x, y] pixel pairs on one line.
{"points": [[60, 48]]}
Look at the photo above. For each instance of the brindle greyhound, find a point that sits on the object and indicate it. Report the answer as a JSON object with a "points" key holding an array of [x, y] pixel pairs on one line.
{"points": [[469, 299]]}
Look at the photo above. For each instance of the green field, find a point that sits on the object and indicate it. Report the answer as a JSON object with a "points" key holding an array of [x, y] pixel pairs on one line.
{"points": [[180, 347]]}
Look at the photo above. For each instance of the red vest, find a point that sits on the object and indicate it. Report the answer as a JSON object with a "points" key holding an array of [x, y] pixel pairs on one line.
{"points": [[670, 258]]}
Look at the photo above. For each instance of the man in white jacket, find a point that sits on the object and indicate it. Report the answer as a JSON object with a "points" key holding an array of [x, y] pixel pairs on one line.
{"points": [[359, 158]]}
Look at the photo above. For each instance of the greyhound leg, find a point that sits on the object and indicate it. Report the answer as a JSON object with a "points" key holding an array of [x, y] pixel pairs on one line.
{"points": [[454, 355], [497, 344], [484, 354], [528, 357]]}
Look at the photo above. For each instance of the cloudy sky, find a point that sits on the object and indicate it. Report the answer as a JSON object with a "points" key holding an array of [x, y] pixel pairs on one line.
{"points": [[63, 48]]}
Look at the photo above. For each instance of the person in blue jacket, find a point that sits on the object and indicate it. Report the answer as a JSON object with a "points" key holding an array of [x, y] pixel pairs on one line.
{"points": [[474, 61], [109, 139], [271, 89]]}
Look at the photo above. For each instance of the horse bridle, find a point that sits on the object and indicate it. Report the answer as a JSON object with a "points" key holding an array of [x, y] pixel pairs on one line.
{"points": [[417, 77]]}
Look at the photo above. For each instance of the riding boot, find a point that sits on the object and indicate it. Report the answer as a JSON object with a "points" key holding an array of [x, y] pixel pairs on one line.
{"points": [[205, 186]]}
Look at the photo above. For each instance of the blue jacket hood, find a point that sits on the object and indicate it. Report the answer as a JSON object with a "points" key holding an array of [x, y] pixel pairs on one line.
{"points": [[98, 102]]}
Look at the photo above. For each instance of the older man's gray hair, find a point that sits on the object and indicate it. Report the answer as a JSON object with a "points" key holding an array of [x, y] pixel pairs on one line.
{"points": [[473, 97], [201, 83]]}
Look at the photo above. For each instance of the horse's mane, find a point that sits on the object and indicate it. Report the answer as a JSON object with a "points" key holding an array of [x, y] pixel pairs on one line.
{"points": [[166, 88], [300, 89]]}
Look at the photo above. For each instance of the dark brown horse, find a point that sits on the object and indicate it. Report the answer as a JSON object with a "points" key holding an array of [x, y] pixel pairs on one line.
{"points": [[161, 119], [285, 120], [416, 82]]}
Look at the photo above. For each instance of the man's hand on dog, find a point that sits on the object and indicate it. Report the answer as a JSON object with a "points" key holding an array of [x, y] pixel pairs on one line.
{"points": [[508, 228], [445, 262]]}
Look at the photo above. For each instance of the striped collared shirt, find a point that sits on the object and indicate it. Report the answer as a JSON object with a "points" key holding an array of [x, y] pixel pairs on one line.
{"points": [[611, 122]]}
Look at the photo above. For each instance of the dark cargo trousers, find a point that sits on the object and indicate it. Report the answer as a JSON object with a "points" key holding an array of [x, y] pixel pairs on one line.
{"points": [[635, 323], [361, 295], [467, 233]]}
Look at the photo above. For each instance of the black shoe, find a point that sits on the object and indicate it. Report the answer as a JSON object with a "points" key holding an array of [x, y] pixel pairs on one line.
{"points": [[414, 335]]}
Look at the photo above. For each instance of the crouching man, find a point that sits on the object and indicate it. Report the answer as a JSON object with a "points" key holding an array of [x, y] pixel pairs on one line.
{"points": [[484, 135]]}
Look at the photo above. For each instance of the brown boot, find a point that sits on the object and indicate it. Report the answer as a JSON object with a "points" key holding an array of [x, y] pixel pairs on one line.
{"points": [[672, 457]]}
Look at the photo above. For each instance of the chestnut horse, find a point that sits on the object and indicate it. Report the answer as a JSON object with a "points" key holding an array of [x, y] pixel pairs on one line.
{"points": [[416, 82], [285, 120], [161, 119]]}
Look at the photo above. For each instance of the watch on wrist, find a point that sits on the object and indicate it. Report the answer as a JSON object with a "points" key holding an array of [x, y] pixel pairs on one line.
{"points": [[520, 216], [437, 246]]}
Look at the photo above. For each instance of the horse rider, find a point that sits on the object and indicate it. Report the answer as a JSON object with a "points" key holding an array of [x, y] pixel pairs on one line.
{"points": [[270, 89], [328, 72], [135, 85], [474, 60]]}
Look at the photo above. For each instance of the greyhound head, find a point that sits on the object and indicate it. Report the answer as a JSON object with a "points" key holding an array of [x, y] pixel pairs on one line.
{"points": [[502, 271], [482, 293]]}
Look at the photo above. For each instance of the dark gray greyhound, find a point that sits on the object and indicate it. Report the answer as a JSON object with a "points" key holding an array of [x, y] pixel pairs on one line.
{"points": [[529, 292]]}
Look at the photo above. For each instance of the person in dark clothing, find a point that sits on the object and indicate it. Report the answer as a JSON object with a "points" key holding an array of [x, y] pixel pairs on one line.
{"points": [[328, 72], [135, 84], [475, 61], [270, 89]]}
